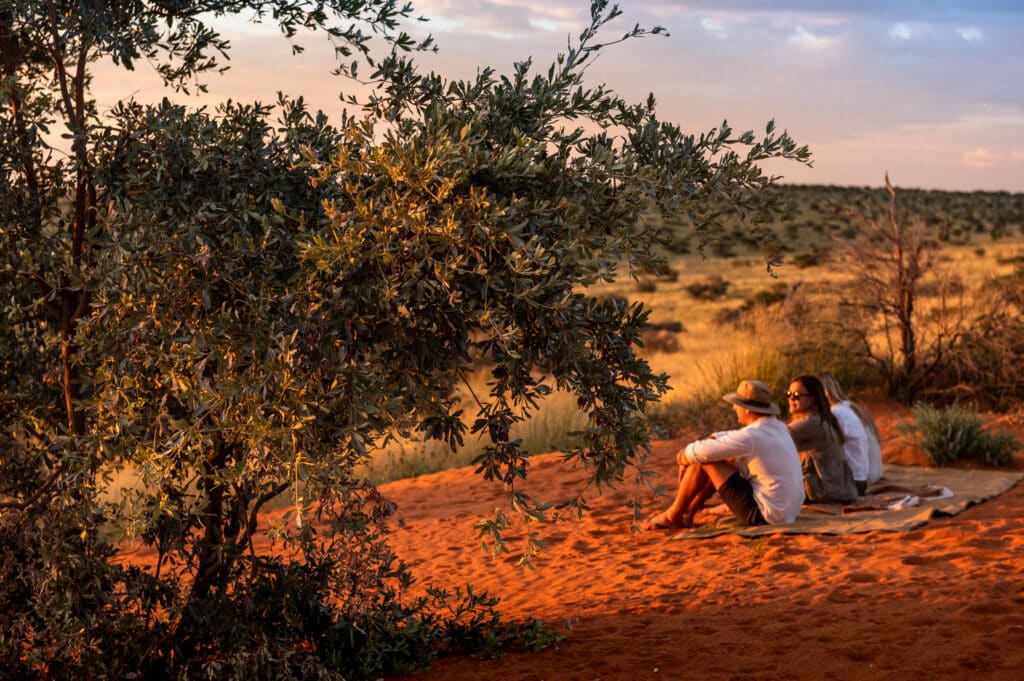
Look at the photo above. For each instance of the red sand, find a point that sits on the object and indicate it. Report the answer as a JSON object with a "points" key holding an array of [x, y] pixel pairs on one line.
{"points": [[945, 601]]}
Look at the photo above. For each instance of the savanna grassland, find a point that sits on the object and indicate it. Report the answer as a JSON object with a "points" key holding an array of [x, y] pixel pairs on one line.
{"points": [[719, 313]]}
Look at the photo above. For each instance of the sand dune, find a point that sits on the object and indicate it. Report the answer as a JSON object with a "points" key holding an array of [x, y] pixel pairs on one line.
{"points": [[945, 601]]}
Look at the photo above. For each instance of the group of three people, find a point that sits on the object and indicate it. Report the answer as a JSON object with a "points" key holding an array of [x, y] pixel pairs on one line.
{"points": [[766, 470]]}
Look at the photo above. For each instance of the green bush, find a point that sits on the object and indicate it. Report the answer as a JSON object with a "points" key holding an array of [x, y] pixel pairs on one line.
{"points": [[956, 433]]}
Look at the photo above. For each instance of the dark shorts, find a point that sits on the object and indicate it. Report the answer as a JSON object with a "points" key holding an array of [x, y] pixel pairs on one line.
{"points": [[862, 487], [738, 495]]}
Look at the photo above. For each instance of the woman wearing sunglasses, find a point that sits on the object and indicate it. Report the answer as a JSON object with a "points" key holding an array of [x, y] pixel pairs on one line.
{"points": [[819, 438]]}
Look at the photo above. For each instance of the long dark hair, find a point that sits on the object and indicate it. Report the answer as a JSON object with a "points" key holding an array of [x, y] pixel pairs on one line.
{"points": [[816, 390], [835, 395]]}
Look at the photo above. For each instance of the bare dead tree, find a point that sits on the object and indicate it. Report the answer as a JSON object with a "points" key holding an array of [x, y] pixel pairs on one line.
{"points": [[906, 343]]}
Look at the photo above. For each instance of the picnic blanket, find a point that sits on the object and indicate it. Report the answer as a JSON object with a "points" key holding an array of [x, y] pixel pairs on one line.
{"points": [[905, 498]]}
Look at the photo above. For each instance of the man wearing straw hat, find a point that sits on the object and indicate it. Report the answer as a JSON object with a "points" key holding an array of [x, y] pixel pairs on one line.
{"points": [[755, 469]]}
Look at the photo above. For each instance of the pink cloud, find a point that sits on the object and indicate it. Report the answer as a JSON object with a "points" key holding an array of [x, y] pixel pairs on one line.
{"points": [[981, 157]]}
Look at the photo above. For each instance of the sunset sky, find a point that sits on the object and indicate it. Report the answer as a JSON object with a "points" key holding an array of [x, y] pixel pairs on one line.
{"points": [[931, 91]]}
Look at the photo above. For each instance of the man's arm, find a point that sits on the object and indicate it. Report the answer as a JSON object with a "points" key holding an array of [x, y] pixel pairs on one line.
{"points": [[722, 446]]}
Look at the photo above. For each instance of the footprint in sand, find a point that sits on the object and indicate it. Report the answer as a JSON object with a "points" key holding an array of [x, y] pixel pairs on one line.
{"points": [[582, 546], [603, 533], [932, 560], [990, 544], [986, 609], [862, 577]]}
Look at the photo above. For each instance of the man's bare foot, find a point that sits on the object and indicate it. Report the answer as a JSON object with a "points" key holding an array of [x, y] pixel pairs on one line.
{"points": [[661, 521]]}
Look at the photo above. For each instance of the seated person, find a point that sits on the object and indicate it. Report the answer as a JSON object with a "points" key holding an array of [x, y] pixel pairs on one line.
{"points": [[818, 436], [755, 469], [863, 446]]}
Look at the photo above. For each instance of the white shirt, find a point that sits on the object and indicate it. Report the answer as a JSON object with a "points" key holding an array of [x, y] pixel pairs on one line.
{"points": [[763, 453], [856, 445], [874, 457]]}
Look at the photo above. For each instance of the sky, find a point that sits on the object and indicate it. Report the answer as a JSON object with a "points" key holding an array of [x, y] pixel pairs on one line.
{"points": [[930, 92]]}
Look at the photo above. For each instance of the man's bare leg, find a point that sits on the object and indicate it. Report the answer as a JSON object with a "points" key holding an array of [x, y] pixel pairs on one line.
{"points": [[697, 482], [700, 498], [694, 489]]}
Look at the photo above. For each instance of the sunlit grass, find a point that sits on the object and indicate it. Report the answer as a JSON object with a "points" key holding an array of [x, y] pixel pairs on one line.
{"points": [[546, 430]]}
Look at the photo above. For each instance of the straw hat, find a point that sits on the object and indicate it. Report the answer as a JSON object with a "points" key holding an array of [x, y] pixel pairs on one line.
{"points": [[755, 396]]}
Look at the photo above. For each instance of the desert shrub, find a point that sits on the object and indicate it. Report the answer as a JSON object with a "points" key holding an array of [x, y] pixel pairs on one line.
{"points": [[673, 326], [666, 273], [1017, 259], [849, 233], [804, 260], [727, 316], [646, 285], [679, 245], [776, 293], [740, 316], [661, 340], [663, 337], [723, 248], [986, 362], [955, 433], [713, 287]]}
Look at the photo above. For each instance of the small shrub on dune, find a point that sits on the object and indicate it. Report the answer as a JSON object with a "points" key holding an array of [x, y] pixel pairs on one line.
{"points": [[723, 249], [727, 316], [805, 260], [669, 274], [712, 288], [674, 326], [661, 340], [663, 337], [767, 297], [679, 245], [646, 285], [956, 434]]}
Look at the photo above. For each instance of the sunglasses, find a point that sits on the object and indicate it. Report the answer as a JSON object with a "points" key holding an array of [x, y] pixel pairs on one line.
{"points": [[796, 396]]}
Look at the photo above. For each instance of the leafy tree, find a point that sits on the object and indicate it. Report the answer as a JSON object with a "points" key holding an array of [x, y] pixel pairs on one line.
{"points": [[239, 304]]}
